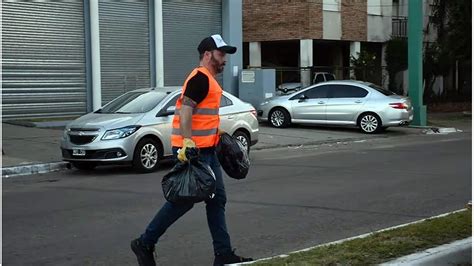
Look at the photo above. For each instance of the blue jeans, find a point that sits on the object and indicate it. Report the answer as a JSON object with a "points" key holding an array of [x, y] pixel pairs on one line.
{"points": [[215, 210]]}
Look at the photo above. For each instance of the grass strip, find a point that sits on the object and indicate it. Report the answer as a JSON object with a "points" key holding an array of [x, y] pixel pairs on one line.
{"points": [[387, 245]]}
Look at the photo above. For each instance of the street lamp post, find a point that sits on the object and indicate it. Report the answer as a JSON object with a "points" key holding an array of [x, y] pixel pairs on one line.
{"points": [[415, 60]]}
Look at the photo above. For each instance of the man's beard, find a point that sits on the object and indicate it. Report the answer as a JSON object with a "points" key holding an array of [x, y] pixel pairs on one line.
{"points": [[218, 68]]}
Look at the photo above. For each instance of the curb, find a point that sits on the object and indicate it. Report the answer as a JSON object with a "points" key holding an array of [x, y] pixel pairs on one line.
{"points": [[430, 256], [46, 124], [429, 130], [30, 169], [42, 168], [441, 130], [350, 238], [313, 143]]}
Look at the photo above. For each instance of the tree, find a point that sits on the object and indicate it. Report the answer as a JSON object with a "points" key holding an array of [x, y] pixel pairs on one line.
{"points": [[452, 20], [396, 56], [364, 65]]}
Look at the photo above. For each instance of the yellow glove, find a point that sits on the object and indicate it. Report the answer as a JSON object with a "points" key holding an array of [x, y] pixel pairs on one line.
{"points": [[187, 143]]}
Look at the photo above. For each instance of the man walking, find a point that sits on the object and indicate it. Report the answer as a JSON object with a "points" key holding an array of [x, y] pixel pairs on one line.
{"points": [[196, 124]]}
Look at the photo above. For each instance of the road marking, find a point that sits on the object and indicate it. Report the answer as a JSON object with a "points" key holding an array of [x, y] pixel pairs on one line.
{"points": [[448, 140]]}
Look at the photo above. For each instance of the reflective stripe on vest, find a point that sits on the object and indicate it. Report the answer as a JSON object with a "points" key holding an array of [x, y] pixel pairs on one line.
{"points": [[198, 133], [201, 111], [205, 116]]}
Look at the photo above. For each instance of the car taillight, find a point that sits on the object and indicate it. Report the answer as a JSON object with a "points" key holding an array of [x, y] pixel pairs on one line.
{"points": [[399, 105], [254, 112]]}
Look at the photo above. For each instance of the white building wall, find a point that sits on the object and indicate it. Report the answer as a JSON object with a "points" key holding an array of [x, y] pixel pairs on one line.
{"points": [[306, 60], [374, 7], [379, 20], [332, 25], [255, 54]]}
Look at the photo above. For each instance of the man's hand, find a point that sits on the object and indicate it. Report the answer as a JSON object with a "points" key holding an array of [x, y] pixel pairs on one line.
{"points": [[187, 143], [220, 131]]}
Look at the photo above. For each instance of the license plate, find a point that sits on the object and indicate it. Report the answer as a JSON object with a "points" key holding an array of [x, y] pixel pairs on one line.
{"points": [[79, 152]]}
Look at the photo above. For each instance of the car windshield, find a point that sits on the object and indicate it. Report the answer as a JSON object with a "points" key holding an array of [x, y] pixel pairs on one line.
{"points": [[134, 102], [329, 77], [383, 91]]}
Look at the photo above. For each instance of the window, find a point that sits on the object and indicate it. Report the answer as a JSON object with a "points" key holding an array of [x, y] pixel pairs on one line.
{"points": [[171, 102], [134, 102], [225, 101], [316, 93], [383, 91], [329, 77], [319, 78], [347, 91]]}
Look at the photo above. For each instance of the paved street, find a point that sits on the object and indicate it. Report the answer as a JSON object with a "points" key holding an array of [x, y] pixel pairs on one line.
{"points": [[293, 198]]}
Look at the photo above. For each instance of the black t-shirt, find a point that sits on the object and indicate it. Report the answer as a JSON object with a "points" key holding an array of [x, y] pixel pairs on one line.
{"points": [[197, 87]]}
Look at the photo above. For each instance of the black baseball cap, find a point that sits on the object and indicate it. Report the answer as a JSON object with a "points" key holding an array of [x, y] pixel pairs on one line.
{"points": [[215, 42]]}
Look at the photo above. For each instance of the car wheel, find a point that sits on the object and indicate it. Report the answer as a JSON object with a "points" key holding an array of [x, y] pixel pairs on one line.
{"points": [[85, 166], [243, 138], [279, 117], [369, 123], [146, 155]]}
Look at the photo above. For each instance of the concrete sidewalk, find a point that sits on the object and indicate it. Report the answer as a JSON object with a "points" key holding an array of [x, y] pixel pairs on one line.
{"points": [[36, 149], [30, 147]]}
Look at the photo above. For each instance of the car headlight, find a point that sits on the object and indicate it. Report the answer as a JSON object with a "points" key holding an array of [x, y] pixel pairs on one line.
{"points": [[66, 130], [120, 133]]}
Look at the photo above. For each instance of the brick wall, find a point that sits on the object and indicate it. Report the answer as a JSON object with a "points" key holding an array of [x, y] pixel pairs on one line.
{"points": [[354, 20], [267, 20]]}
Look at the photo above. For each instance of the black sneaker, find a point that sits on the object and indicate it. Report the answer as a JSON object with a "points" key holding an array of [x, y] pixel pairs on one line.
{"points": [[220, 260], [145, 254]]}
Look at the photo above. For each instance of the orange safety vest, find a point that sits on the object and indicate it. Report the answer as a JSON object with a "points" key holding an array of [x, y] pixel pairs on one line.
{"points": [[205, 118]]}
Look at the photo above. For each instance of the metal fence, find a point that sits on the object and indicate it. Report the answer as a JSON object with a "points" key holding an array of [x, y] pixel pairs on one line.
{"points": [[375, 75]]}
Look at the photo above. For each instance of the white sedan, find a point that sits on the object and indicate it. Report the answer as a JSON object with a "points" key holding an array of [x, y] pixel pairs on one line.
{"points": [[342, 102], [136, 128]]}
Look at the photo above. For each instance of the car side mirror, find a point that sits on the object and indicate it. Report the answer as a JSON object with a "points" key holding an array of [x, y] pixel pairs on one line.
{"points": [[169, 111], [302, 98]]}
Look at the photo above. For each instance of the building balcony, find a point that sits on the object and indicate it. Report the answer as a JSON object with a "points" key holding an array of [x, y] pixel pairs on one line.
{"points": [[399, 27]]}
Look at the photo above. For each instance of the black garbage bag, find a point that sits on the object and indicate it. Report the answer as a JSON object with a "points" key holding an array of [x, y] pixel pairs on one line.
{"points": [[233, 156], [189, 182]]}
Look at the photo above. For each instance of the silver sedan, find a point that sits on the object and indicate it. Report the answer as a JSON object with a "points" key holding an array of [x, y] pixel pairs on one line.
{"points": [[136, 128], [348, 103]]}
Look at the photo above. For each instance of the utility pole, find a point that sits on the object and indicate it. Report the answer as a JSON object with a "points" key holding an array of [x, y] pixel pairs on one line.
{"points": [[415, 60]]}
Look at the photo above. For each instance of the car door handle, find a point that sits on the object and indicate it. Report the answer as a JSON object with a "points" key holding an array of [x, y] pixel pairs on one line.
{"points": [[358, 101], [230, 117], [321, 102]]}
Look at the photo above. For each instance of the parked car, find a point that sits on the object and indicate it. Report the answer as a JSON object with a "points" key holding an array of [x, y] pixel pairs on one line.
{"points": [[289, 87], [351, 103], [136, 128], [323, 77], [296, 86]]}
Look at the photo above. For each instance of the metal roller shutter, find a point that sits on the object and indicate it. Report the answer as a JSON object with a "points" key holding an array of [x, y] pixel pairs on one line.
{"points": [[124, 47], [43, 57], [185, 24]]}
